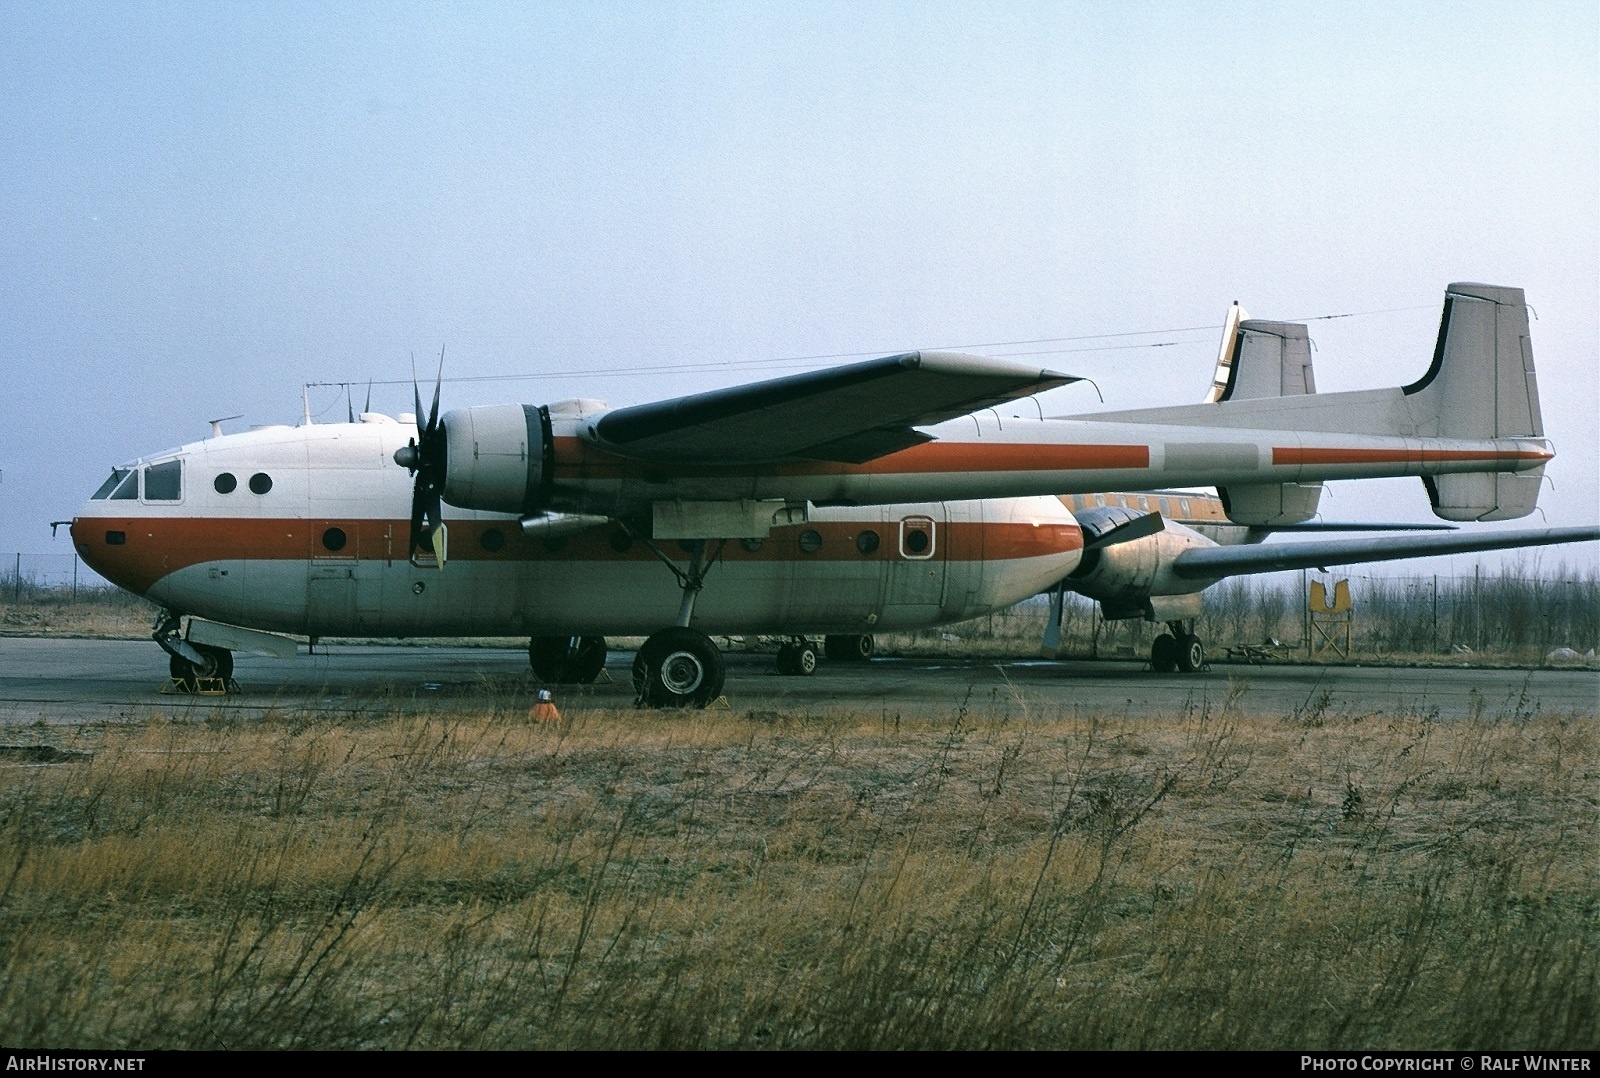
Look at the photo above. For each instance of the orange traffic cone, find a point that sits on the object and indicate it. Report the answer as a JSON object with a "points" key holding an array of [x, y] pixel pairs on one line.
{"points": [[544, 708]]}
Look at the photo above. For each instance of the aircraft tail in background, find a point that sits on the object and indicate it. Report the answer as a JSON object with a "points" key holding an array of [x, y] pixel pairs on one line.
{"points": [[1479, 398]]}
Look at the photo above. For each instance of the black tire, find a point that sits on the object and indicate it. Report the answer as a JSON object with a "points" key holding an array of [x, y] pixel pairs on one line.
{"points": [[218, 665], [797, 659], [1164, 654], [848, 649], [678, 667], [567, 660], [1191, 654]]}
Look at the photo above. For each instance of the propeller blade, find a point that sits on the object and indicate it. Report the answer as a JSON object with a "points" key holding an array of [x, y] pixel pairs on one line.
{"points": [[438, 383], [416, 393], [441, 543], [1137, 528], [1052, 629]]}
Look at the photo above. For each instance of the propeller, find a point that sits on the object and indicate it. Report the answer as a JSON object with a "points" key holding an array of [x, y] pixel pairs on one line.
{"points": [[424, 457], [1127, 532], [1051, 643], [1139, 527]]}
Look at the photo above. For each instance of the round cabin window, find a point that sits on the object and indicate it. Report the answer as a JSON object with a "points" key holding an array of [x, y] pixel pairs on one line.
{"points": [[334, 539], [810, 540], [916, 540], [752, 544], [492, 540], [620, 541], [225, 483], [260, 483], [867, 541]]}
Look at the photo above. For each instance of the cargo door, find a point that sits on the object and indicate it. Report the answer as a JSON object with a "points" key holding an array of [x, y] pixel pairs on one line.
{"points": [[331, 582], [914, 591]]}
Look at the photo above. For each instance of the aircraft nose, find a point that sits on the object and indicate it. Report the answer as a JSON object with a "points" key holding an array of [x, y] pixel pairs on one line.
{"points": [[110, 548]]}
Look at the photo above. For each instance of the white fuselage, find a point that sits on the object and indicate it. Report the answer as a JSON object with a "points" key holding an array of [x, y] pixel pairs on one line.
{"points": [[305, 530]]}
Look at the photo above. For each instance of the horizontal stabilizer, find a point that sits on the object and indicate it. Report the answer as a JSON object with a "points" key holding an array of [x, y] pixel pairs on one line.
{"points": [[1218, 562], [850, 414]]}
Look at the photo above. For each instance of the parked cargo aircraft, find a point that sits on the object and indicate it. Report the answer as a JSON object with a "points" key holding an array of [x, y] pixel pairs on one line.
{"points": [[863, 498]]}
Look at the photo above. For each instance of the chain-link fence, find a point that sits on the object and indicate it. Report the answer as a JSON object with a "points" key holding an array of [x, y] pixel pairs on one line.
{"points": [[52, 578]]}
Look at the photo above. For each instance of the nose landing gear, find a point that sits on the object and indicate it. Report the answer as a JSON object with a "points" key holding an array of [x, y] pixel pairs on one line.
{"points": [[195, 668]]}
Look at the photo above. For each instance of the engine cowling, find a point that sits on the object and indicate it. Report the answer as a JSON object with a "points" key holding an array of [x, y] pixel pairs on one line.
{"points": [[499, 458], [1134, 579]]}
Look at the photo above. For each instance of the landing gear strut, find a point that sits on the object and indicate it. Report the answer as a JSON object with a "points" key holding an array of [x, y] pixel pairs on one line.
{"points": [[680, 666], [1179, 650], [194, 667]]}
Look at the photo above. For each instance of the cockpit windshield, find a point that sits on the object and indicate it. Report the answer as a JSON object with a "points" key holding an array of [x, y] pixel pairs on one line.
{"points": [[117, 475], [122, 485]]}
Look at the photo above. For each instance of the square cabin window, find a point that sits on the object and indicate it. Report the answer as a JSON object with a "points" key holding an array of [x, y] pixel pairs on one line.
{"points": [[164, 482]]}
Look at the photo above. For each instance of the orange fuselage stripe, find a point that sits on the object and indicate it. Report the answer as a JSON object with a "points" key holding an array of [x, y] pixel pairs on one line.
{"points": [[154, 546], [573, 455]]}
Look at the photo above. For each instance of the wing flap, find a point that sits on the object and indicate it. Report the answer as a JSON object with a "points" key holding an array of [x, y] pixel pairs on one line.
{"points": [[852, 414]]}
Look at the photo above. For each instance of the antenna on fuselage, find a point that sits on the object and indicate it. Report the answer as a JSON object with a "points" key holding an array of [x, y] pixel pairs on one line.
{"points": [[216, 424], [305, 402]]}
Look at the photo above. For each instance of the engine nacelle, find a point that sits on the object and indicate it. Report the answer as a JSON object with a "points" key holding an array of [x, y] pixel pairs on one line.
{"points": [[499, 458], [1135, 579]]}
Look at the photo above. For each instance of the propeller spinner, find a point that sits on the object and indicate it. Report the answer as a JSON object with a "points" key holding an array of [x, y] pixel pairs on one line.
{"points": [[425, 457]]}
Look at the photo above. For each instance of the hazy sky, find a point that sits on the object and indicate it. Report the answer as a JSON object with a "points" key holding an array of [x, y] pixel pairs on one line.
{"points": [[203, 206]]}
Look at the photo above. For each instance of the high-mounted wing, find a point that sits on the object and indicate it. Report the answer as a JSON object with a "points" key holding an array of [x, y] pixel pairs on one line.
{"points": [[1272, 557], [850, 414]]}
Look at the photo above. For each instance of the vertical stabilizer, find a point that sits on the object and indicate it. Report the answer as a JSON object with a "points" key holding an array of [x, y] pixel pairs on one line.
{"points": [[1481, 384], [1267, 359]]}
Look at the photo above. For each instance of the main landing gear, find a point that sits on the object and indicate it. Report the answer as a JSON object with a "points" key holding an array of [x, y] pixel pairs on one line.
{"points": [[1179, 650], [567, 660], [798, 657], [680, 666], [849, 649]]}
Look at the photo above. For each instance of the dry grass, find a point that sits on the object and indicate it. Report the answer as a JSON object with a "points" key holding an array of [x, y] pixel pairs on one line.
{"points": [[798, 879]]}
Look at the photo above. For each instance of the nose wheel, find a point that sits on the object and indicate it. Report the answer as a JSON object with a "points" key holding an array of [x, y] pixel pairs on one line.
{"points": [[214, 670]]}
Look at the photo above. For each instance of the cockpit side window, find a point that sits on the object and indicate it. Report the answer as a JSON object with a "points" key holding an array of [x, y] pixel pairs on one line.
{"points": [[117, 475], [128, 489], [164, 482]]}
